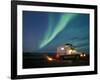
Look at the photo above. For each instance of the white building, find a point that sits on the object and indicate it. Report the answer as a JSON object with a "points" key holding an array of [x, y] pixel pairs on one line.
{"points": [[66, 50]]}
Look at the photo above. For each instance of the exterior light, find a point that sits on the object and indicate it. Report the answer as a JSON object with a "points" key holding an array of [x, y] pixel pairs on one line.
{"points": [[70, 51], [84, 55], [62, 48], [81, 55], [49, 58]]}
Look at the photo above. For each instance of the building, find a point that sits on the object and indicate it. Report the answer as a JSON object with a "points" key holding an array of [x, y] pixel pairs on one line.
{"points": [[66, 49], [68, 52]]}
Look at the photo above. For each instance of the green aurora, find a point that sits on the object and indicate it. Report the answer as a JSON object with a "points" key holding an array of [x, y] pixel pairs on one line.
{"points": [[53, 31]]}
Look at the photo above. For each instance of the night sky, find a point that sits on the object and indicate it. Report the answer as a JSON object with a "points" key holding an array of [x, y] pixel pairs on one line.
{"points": [[45, 31]]}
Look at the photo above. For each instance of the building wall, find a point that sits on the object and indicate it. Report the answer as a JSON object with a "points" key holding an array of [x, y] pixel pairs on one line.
{"points": [[63, 50]]}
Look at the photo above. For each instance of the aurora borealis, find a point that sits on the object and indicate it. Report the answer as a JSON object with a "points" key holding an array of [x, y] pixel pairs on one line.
{"points": [[62, 23], [45, 31]]}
